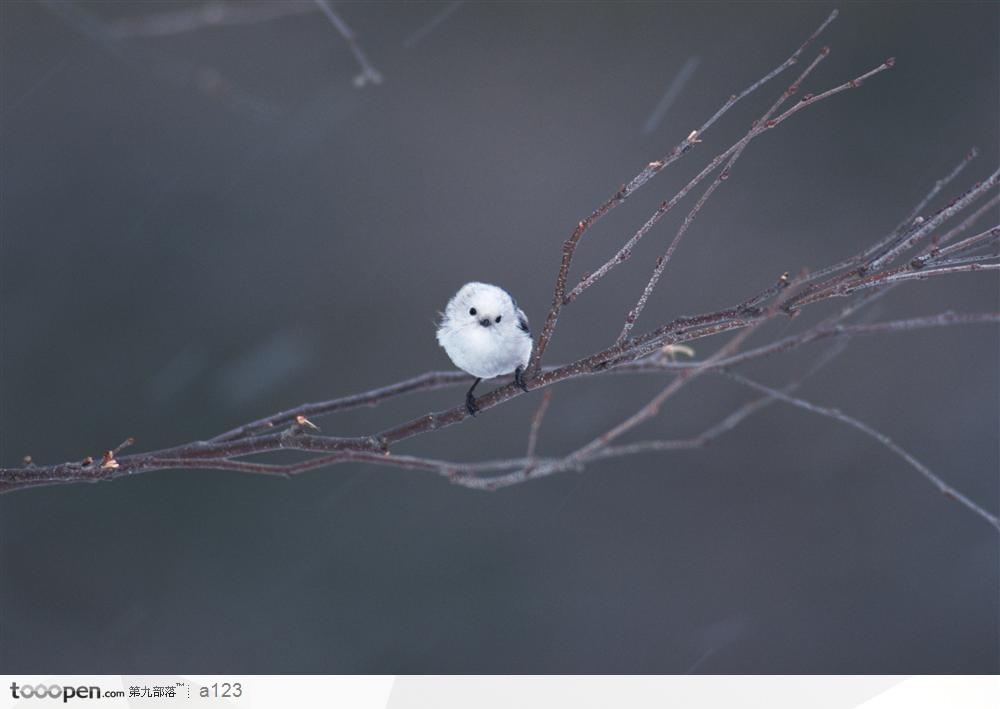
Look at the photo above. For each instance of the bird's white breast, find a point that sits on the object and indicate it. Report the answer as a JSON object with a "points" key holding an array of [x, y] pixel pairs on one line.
{"points": [[485, 352]]}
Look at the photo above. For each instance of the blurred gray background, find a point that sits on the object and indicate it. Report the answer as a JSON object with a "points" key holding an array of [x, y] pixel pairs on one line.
{"points": [[205, 227]]}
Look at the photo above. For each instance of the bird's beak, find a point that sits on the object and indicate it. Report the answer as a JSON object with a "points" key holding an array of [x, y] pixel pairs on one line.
{"points": [[485, 322]]}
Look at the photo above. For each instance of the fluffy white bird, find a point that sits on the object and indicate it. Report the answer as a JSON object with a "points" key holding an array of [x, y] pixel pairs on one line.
{"points": [[486, 334]]}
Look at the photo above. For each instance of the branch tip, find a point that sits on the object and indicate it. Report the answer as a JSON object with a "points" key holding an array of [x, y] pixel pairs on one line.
{"points": [[303, 421]]}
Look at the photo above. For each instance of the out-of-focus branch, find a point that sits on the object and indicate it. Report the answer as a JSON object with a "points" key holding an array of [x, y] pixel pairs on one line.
{"points": [[687, 70], [369, 74], [431, 24], [215, 13], [205, 78], [229, 13]]}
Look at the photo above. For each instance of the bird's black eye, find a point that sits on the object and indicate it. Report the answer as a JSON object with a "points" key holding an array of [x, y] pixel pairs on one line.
{"points": [[472, 311], [498, 318]]}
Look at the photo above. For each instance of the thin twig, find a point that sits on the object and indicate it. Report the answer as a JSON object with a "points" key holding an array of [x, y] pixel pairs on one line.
{"points": [[536, 423], [724, 426], [897, 275], [652, 408], [759, 126], [963, 226], [651, 170], [844, 332], [914, 214], [625, 252], [428, 381], [909, 223], [906, 241], [938, 256], [943, 487]]}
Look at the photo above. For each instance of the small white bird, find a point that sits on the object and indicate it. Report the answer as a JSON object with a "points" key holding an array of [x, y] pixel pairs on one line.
{"points": [[486, 334]]}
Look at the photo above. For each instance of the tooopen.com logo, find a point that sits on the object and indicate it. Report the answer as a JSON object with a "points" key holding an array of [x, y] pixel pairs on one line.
{"points": [[55, 691]]}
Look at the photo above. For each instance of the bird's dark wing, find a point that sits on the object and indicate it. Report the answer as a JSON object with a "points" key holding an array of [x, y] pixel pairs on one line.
{"points": [[522, 321]]}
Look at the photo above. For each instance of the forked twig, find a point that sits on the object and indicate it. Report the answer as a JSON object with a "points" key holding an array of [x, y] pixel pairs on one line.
{"points": [[650, 171]]}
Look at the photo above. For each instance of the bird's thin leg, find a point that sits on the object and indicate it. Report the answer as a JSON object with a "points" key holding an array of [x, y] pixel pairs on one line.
{"points": [[470, 400], [519, 379]]}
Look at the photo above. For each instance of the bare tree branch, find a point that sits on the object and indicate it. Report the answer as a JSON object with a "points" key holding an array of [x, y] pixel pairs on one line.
{"points": [[824, 331], [710, 434], [871, 274], [885, 250], [650, 171], [760, 125], [906, 241], [989, 206]]}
